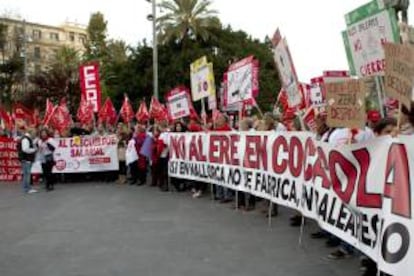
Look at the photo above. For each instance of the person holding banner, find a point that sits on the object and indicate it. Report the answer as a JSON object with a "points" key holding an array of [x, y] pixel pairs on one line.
{"points": [[159, 164], [223, 194], [141, 169], [131, 160], [407, 120], [47, 146]]}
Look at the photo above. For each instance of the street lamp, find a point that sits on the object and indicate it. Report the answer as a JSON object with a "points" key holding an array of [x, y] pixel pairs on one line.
{"points": [[153, 17]]}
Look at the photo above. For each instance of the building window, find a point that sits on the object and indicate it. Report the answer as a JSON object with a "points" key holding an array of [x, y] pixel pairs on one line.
{"points": [[71, 36], [37, 34], [37, 53], [82, 39], [54, 36]]}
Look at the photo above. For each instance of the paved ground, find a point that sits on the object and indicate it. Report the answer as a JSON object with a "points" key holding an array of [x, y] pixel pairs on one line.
{"points": [[91, 229]]}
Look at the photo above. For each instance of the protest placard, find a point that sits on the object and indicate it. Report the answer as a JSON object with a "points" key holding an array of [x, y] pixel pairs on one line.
{"points": [[346, 104], [202, 79], [241, 81], [286, 69], [399, 72], [178, 102], [368, 28]]}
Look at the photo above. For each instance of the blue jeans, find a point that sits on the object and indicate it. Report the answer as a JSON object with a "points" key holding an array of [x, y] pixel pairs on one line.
{"points": [[27, 173]]}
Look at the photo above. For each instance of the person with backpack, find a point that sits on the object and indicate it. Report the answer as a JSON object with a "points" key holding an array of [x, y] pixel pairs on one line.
{"points": [[27, 151], [46, 146]]}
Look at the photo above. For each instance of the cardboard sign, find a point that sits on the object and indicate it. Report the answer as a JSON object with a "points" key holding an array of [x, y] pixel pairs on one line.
{"points": [[346, 104], [178, 103], [369, 27], [202, 79], [399, 72]]}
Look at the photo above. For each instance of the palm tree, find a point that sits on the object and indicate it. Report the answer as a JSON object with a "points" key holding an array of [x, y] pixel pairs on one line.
{"points": [[186, 19]]}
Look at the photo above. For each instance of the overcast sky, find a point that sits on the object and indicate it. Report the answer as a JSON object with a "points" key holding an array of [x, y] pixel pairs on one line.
{"points": [[312, 27]]}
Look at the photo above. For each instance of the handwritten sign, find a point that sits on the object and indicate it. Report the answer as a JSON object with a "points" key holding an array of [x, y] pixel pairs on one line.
{"points": [[399, 72], [346, 104]]}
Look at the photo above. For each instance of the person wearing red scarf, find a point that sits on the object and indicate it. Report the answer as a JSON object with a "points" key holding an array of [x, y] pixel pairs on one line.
{"points": [[222, 123], [159, 166], [194, 126], [140, 136]]}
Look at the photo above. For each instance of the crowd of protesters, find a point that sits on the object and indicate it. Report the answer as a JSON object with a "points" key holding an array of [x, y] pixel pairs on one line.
{"points": [[134, 167]]}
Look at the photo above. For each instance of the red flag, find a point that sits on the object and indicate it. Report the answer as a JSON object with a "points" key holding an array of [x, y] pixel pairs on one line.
{"points": [[157, 111], [85, 112], [107, 113], [61, 118], [142, 113], [6, 118], [48, 112], [127, 113], [23, 113]]}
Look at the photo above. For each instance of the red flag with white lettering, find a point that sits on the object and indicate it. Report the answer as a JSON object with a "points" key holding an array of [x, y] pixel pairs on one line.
{"points": [[127, 113], [107, 113], [61, 118], [90, 84], [85, 112], [48, 113], [6, 119], [142, 113], [23, 113], [157, 111]]}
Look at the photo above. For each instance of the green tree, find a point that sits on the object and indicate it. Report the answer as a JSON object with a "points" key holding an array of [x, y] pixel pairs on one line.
{"points": [[224, 47], [62, 80], [96, 45], [186, 19], [11, 69]]}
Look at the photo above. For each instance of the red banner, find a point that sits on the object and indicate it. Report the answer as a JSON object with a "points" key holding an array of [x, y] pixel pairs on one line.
{"points": [[10, 169], [90, 85], [48, 113]]}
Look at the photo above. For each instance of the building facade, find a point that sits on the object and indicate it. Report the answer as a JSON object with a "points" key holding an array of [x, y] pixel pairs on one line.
{"points": [[39, 42]]}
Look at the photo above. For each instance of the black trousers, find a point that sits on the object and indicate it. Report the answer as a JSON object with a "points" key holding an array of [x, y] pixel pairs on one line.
{"points": [[137, 174], [159, 173], [48, 175]]}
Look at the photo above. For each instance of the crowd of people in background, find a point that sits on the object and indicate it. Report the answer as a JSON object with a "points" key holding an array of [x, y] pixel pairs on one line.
{"points": [[134, 167]]}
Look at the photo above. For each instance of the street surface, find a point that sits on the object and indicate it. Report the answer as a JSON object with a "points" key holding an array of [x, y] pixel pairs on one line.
{"points": [[91, 229]]}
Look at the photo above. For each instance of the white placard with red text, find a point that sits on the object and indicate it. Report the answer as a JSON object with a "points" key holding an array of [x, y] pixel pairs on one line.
{"points": [[90, 84], [178, 103]]}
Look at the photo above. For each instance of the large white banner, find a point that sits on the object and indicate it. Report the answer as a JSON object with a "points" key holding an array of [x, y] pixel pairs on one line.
{"points": [[361, 193], [368, 29], [86, 154]]}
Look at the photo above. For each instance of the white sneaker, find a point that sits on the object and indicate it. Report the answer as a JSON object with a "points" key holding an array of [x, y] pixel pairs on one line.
{"points": [[197, 194], [32, 191]]}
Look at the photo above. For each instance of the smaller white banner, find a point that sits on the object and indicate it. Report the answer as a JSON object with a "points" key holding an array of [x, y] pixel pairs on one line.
{"points": [[179, 105], [86, 154]]}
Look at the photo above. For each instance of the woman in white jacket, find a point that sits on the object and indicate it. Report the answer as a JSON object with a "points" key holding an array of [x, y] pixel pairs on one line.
{"points": [[46, 146]]}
